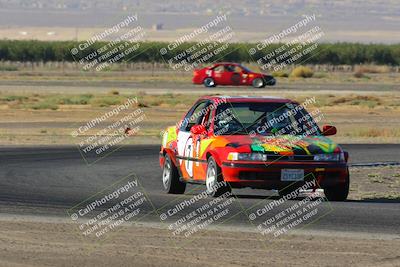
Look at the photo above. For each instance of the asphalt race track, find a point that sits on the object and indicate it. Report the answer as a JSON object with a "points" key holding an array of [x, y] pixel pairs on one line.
{"points": [[92, 86], [50, 180]]}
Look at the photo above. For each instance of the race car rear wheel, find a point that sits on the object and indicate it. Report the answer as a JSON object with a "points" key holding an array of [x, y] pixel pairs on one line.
{"points": [[258, 83], [214, 181], [338, 192], [209, 82], [170, 178], [269, 80]]}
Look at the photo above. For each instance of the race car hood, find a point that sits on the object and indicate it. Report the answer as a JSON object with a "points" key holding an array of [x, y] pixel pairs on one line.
{"points": [[285, 144]]}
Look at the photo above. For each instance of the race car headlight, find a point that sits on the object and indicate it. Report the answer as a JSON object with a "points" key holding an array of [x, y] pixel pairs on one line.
{"points": [[247, 156], [329, 157]]}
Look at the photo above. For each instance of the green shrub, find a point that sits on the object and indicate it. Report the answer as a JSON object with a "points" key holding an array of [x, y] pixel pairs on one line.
{"points": [[142, 105], [8, 68], [369, 101], [360, 74], [11, 98], [106, 101], [72, 100], [302, 72], [114, 92], [43, 105]]}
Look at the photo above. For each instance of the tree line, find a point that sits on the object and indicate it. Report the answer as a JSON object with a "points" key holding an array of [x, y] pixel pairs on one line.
{"points": [[325, 53]]}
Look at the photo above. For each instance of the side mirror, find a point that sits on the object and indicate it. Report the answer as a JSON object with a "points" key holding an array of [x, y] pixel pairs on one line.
{"points": [[198, 129], [328, 130]]}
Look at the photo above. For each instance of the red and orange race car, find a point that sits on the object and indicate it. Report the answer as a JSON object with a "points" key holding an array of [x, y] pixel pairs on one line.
{"points": [[257, 142], [227, 73]]}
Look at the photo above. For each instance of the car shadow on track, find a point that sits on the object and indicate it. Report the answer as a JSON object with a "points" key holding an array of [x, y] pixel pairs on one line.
{"points": [[376, 200], [365, 200]]}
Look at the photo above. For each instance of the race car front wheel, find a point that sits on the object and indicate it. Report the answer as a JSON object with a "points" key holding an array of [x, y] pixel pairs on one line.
{"points": [[209, 82], [216, 186], [338, 192], [170, 178], [258, 83]]}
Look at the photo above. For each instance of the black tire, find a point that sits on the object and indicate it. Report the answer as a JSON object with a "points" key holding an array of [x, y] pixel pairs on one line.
{"points": [[338, 192], [172, 185], [269, 80], [258, 83], [209, 82], [212, 189]]}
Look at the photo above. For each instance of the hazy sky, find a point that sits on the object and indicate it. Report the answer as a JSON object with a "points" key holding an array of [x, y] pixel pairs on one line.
{"points": [[363, 21]]}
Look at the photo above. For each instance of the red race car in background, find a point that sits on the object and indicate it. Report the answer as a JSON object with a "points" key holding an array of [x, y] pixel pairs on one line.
{"points": [[227, 73]]}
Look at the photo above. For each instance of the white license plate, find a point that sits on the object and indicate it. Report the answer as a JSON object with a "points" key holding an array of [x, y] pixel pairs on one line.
{"points": [[291, 175]]}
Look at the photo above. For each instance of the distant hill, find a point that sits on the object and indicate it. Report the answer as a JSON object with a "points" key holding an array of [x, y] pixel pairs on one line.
{"points": [[365, 21], [238, 7]]}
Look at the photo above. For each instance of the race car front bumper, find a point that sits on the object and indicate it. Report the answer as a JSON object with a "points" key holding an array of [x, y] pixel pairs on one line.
{"points": [[266, 175]]}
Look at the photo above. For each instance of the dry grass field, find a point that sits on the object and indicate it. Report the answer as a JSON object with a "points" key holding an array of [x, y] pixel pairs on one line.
{"points": [[46, 118], [43, 103]]}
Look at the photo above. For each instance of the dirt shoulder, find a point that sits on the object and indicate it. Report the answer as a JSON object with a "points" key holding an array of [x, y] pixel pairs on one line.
{"points": [[56, 244], [375, 184]]}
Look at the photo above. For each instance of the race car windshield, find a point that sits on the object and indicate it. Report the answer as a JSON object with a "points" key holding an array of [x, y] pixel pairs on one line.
{"points": [[245, 69], [264, 119]]}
